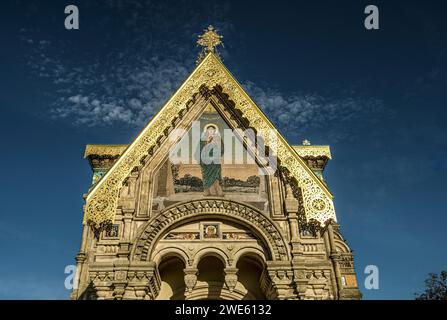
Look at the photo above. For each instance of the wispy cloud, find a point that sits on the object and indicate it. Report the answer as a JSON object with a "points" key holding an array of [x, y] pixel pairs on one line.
{"points": [[126, 77], [302, 112], [129, 84], [131, 98], [132, 92]]}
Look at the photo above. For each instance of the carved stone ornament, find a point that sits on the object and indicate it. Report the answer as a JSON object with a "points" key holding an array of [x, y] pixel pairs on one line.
{"points": [[227, 208], [230, 278], [190, 279]]}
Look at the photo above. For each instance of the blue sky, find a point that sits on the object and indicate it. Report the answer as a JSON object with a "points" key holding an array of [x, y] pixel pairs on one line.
{"points": [[377, 97]]}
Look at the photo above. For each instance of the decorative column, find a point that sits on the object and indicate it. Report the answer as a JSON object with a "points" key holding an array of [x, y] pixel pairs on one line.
{"points": [[298, 259], [81, 281], [330, 288], [127, 222], [190, 278], [80, 259], [231, 278], [335, 257], [292, 209], [121, 265]]}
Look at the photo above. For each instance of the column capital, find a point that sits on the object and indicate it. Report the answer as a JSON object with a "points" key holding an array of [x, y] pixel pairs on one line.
{"points": [[231, 278], [190, 278]]}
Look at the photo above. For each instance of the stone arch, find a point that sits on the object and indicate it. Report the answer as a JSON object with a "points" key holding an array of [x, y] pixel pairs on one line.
{"points": [[203, 294], [171, 251], [172, 283], [251, 270], [262, 226], [340, 246], [215, 252], [210, 276], [252, 252]]}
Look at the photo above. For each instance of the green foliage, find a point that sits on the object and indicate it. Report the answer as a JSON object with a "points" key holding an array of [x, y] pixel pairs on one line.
{"points": [[252, 181], [435, 287], [189, 180]]}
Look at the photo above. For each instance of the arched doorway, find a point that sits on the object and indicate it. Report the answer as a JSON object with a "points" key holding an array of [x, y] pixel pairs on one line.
{"points": [[210, 279], [172, 279], [213, 284], [249, 275]]}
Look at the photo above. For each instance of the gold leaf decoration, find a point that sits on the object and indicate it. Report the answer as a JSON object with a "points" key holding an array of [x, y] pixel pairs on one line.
{"points": [[101, 202]]}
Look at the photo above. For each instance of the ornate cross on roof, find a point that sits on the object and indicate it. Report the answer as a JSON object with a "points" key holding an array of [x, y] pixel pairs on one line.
{"points": [[209, 40]]}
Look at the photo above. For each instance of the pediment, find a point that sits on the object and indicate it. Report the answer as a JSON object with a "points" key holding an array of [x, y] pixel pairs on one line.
{"points": [[209, 75]]}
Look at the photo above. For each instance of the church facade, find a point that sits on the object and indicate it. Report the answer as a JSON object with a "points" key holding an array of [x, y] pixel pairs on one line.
{"points": [[211, 202]]}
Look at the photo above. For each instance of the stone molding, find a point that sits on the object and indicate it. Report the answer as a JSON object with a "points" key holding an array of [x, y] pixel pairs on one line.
{"points": [[262, 225]]}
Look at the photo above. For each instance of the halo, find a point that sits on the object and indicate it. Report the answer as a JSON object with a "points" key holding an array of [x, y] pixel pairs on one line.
{"points": [[211, 125]]}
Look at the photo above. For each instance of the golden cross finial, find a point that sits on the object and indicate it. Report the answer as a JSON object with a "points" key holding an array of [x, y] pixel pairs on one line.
{"points": [[306, 142], [210, 39]]}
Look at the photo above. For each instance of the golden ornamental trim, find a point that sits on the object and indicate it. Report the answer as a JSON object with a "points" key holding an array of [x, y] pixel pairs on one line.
{"points": [[313, 151], [101, 202], [113, 150]]}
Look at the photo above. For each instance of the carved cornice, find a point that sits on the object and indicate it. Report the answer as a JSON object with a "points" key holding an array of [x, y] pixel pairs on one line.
{"points": [[103, 198], [106, 277], [313, 151], [104, 150]]}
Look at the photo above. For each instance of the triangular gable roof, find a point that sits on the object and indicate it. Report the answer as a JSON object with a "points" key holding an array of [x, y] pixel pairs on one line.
{"points": [[101, 201]]}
